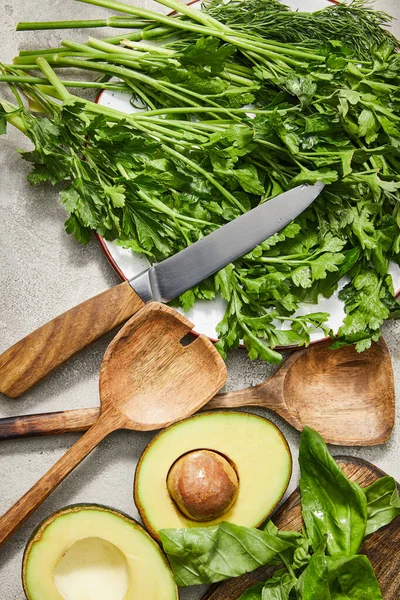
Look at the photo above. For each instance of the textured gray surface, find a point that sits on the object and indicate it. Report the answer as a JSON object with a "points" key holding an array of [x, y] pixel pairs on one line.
{"points": [[43, 272]]}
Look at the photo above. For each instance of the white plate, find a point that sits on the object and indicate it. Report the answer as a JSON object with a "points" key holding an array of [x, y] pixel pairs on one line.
{"points": [[206, 314]]}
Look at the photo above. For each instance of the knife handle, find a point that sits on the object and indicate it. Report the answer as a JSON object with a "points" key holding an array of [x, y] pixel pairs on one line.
{"points": [[50, 346]]}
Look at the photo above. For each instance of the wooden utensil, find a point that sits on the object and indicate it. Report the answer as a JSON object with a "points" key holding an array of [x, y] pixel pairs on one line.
{"points": [[348, 397], [148, 380], [382, 547]]}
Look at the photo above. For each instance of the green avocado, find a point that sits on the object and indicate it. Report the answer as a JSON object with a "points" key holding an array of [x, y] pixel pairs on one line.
{"points": [[254, 447], [91, 552]]}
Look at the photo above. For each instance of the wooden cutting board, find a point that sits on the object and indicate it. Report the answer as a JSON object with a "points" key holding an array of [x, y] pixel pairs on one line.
{"points": [[382, 547]]}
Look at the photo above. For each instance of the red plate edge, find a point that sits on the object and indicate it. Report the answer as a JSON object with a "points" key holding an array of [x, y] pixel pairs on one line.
{"points": [[123, 278]]}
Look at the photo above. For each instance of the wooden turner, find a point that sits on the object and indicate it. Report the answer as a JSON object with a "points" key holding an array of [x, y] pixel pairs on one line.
{"points": [[148, 380], [347, 397]]}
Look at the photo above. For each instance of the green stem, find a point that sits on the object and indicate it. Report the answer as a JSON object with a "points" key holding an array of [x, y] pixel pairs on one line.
{"points": [[202, 109], [141, 47], [152, 15], [13, 116], [148, 33], [121, 23], [76, 84], [125, 73], [141, 94], [196, 15], [54, 80], [40, 52], [276, 47], [93, 49]]}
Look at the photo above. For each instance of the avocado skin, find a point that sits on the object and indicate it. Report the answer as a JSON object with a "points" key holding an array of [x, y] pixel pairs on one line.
{"points": [[36, 534], [139, 505]]}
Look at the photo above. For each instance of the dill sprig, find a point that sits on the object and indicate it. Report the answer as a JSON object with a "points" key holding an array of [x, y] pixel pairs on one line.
{"points": [[356, 25]]}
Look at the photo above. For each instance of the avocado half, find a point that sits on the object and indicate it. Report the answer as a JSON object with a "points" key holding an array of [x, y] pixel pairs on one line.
{"points": [[254, 446], [92, 552]]}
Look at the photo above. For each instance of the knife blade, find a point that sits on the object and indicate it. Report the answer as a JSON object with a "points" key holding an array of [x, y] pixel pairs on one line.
{"points": [[173, 276], [45, 349]]}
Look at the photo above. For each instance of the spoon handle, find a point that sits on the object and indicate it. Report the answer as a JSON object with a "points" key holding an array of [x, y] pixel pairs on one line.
{"points": [[16, 515]]}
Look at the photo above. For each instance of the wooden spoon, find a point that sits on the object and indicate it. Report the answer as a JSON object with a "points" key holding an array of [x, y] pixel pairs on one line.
{"points": [[348, 397], [148, 380]]}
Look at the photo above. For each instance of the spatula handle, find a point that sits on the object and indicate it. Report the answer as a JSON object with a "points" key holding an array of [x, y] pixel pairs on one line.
{"points": [[13, 518], [47, 348]]}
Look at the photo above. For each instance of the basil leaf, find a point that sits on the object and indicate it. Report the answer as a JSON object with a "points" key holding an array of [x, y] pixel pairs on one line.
{"points": [[279, 586], [253, 593], [333, 507], [383, 503], [209, 554], [339, 578]]}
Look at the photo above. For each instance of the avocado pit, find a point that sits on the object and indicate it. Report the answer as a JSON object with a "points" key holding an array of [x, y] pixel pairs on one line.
{"points": [[203, 484]]}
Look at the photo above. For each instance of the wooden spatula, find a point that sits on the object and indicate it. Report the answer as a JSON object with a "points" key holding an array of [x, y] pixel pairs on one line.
{"points": [[148, 380], [348, 397]]}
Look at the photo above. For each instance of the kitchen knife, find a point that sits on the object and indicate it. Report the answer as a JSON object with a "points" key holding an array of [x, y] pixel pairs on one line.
{"points": [[36, 355]]}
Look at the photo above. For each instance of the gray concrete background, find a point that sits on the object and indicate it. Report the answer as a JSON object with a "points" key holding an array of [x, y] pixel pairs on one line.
{"points": [[44, 272]]}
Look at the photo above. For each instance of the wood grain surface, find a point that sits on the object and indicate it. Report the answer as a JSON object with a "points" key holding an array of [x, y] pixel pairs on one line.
{"points": [[382, 547], [47, 348]]}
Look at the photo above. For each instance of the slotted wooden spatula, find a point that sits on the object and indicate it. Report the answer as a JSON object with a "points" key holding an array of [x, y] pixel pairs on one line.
{"points": [[148, 380]]}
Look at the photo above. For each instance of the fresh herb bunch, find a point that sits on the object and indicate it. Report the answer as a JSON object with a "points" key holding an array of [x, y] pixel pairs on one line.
{"points": [[355, 24], [322, 561], [160, 180]]}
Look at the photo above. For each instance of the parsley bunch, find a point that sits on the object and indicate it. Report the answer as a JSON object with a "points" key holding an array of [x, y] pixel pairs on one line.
{"points": [[159, 180]]}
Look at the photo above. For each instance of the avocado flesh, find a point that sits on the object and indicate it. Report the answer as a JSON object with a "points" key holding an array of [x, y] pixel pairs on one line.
{"points": [[253, 444], [94, 553]]}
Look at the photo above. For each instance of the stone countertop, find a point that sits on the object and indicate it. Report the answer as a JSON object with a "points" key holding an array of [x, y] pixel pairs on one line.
{"points": [[44, 272]]}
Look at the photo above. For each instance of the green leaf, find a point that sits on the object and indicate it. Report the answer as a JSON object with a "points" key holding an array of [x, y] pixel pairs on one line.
{"points": [[306, 176], [225, 282], [302, 277], [209, 554], [326, 263], [302, 87], [383, 503], [258, 349], [279, 586], [247, 177], [207, 51], [366, 306], [333, 508], [368, 125], [352, 96], [240, 135], [3, 120], [253, 593], [81, 233], [187, 300], [70, 199], [339, 578], [116, 194]]}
